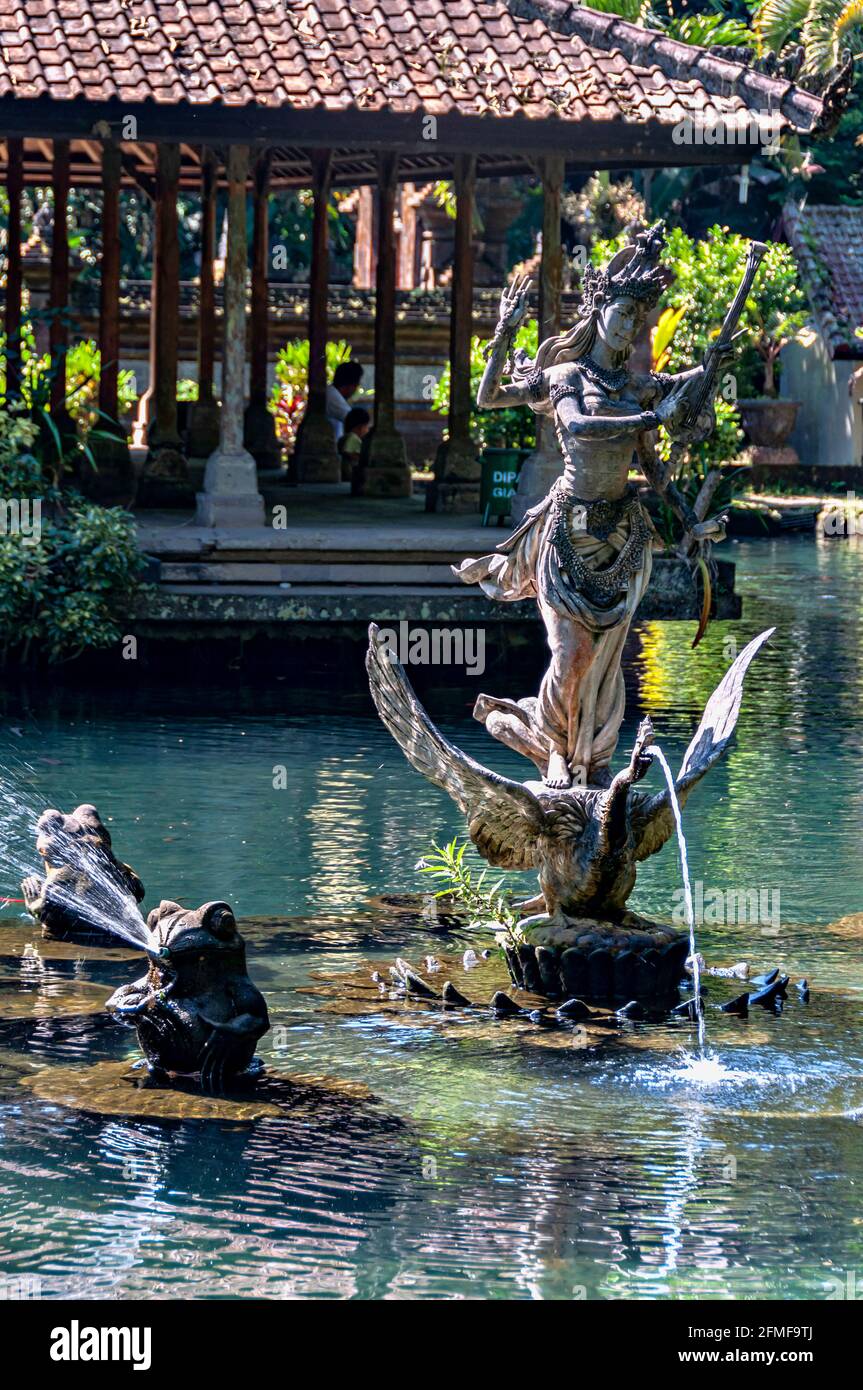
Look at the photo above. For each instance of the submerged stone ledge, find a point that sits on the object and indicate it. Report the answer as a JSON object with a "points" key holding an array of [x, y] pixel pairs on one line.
{"points": [[180, 609]]}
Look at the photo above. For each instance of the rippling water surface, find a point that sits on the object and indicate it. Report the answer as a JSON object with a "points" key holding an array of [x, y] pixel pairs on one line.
{"points": [[453, 1156]]}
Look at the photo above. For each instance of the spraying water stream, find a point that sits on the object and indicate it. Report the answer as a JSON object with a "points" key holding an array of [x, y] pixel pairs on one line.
{"points": [[660, 757], [108, 905]]}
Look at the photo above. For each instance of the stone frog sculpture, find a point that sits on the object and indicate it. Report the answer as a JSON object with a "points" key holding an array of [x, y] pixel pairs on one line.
{"points": [[85, 885], [196, 1012]]}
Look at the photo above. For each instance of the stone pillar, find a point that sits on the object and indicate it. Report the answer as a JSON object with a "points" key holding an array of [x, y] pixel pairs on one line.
{"points": [[383, 468], [165, 457], [544, 465], [204, 412], [12, 317], [260, 427], [316, 458], [114, 480], [58, 294], [457, 468], [230, 496]]}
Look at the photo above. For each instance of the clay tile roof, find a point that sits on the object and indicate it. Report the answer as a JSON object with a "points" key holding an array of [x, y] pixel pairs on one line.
{"points": [[547, 60], [828, 246]]}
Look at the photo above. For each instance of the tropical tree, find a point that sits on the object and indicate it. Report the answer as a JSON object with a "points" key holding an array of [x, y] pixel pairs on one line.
{"points": [[825, 28]]}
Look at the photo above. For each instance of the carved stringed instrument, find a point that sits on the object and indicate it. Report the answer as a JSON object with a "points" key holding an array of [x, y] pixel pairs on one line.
{"points": [[699, 396], [697, 420]]}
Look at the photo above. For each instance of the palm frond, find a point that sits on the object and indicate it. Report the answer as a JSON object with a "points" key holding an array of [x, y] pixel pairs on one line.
{"points": [[705, 30], [776, 21], [820, 34], [849, 20]]}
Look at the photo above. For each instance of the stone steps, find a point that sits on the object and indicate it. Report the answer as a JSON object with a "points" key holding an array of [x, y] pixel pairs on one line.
{"points": [[317, 573]]}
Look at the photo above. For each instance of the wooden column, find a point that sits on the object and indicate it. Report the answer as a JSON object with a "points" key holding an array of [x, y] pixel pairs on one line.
{"points": [[58, 295], [114, 478], [109, 286], [230, 496], [364, 239], [457, 467], [316, 459], [260, 427], [383, 469], [204, 412], [12, 319], [165, 458], [543, 466]]}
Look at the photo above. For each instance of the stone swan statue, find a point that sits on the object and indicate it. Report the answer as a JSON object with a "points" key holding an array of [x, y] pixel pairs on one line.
{"points": [[585, 843]]}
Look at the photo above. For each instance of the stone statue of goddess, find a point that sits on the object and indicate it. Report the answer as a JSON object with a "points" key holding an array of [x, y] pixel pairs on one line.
{"points": [[585, 552]]}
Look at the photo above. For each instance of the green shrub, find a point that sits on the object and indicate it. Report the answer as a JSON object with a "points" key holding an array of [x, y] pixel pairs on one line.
{"points": [[70, 585], [83, 367], [290, 388], [706, 277], [512, 427]]}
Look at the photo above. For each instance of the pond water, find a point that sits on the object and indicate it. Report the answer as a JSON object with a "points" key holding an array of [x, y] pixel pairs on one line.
{"points": [[454, 1157]]}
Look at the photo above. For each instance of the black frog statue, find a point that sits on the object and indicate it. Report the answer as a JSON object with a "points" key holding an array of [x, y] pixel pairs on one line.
{"points": [[196, 1012], [85, 886]]}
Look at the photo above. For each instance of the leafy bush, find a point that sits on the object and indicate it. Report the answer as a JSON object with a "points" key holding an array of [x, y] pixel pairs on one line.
{"points": [[20, 470], [83, 367], [69, 584], [487, 905], [290, 388], [513, 427], [706, 277]]}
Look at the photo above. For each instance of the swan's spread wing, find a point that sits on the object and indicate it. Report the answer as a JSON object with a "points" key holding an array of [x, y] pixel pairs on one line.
{"points": [[653, 817], [504, 818]]}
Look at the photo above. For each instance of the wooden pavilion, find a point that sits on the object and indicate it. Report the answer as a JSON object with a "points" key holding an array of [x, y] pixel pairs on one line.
{"points": [[256, 95]]}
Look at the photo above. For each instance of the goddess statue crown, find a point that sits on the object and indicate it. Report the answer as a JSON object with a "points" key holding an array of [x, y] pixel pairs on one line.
{"points": [[633, 273]]}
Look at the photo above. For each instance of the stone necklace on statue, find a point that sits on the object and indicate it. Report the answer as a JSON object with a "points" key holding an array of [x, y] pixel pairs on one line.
{"points": [[609, 378]]}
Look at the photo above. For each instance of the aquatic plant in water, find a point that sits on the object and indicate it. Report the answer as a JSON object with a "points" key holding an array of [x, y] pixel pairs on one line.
{"points": [[488, 906]]}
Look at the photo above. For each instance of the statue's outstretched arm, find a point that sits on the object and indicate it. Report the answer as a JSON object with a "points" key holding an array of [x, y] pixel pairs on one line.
{"points": [[513, 311]]}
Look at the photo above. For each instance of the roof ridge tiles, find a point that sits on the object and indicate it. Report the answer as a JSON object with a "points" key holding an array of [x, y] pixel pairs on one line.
{"points": [[537, 59]]}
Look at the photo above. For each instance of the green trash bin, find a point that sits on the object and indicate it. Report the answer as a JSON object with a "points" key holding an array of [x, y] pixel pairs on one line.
{"points": [[500, 469]]}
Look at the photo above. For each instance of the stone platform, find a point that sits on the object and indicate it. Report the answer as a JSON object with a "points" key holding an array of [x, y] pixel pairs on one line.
{"points": [[345, 560]]}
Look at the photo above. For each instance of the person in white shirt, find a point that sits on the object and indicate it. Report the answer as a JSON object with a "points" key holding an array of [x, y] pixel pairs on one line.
{"points": [[345, 384]]}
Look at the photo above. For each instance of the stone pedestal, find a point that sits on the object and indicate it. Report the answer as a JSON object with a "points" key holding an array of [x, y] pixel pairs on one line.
{"points": [[456, 486], [771, 464], [113, 481], [601, 962], [383, 467], [230, 496], [316, 458]]}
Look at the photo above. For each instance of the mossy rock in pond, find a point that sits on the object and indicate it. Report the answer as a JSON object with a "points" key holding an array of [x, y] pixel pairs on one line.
{"points": [[20, 940], [120, 1088], [50, 997]]}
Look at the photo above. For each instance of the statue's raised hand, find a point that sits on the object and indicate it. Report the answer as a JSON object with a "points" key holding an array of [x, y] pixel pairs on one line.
{"points": [[673, 408], [513, 304]]}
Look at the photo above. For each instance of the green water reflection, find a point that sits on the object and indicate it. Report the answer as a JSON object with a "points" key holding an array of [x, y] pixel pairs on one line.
{"points": [[495, 1164]]}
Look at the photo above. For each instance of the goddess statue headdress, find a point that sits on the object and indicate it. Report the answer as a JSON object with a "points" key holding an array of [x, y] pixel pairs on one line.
{"points": [[633, 273]]}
